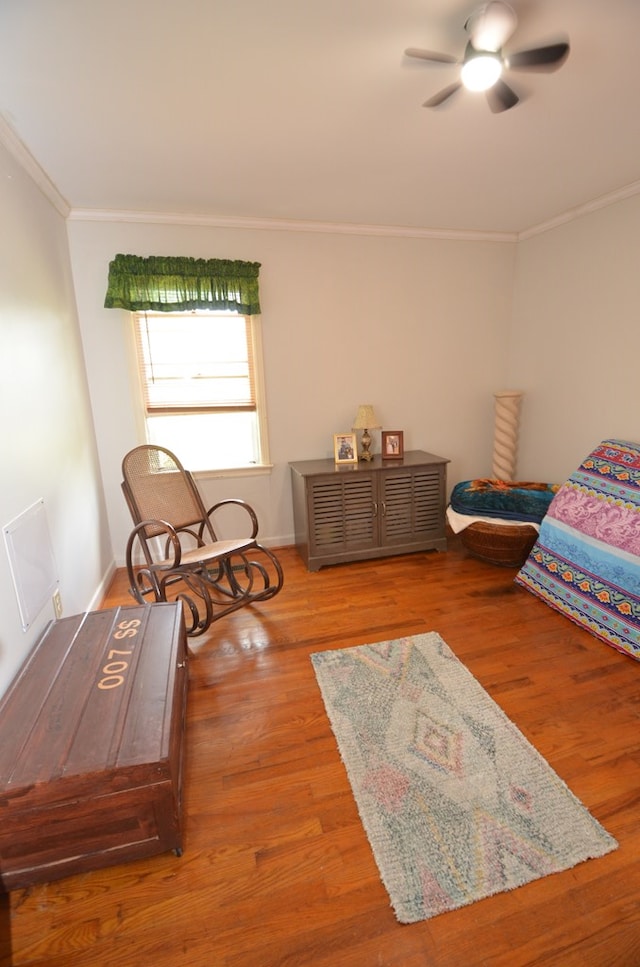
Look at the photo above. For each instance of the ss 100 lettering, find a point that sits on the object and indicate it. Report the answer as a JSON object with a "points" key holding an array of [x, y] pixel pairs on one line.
{"points": [[117, 658]]}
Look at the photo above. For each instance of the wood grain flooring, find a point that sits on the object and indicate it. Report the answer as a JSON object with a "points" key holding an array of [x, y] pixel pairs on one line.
{"points": [[277, 871]]}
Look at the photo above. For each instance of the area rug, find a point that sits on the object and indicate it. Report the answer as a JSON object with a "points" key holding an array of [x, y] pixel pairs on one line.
{"points": [[456, 803]]}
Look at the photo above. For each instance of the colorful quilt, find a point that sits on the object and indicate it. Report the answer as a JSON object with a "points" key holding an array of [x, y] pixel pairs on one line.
{"points": [[586, 561], [508, 500]]}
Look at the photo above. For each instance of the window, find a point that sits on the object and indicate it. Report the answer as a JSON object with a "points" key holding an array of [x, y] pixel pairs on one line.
{"points": [[201, 380]]}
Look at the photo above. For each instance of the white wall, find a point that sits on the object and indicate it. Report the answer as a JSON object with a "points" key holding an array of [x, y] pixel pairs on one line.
{"points": [[46, 432], [425, 329], [418, 327], [576, 339]]}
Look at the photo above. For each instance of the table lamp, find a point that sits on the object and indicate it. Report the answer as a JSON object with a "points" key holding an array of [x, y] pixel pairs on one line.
{"points": [[366, 420]]}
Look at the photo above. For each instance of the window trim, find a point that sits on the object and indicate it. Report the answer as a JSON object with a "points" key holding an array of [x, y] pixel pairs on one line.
{"points": [[259, 387]]}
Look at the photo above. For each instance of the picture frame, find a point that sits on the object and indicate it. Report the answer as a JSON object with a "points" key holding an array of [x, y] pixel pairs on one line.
{"points": [[392, 444], [345, 448]]}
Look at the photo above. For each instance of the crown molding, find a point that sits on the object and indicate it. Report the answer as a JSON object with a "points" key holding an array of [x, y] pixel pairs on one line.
{"points": [[284, 225], [12, 142], [346, 228], [28, 163], [603, 201]]}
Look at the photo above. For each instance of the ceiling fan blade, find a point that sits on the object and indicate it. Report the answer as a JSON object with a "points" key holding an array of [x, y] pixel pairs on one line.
{"points": [[431, 55], [443, 95], [548, 58], [490, 27], [500, 97]]}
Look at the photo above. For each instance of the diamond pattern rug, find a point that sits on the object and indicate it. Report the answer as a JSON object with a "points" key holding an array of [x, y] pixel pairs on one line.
{"points": [[456, 803]]}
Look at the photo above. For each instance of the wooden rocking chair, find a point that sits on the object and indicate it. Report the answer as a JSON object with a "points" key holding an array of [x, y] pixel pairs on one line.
{"points": [[173, 552]]}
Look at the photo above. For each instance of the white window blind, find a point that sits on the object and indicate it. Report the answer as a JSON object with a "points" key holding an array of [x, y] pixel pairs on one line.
{"points": [[197, 362]]}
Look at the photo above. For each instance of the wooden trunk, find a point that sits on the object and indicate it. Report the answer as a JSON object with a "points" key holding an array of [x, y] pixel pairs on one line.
{"points": [[91, 745]]}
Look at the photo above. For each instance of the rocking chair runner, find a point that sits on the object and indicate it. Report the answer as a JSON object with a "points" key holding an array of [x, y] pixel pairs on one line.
{"points": [[173, 552]]}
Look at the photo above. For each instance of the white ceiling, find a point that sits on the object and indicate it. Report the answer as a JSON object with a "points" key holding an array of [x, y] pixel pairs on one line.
{"points": [[293, 109]]}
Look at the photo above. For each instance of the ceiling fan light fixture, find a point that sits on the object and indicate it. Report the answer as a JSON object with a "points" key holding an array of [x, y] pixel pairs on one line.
{"points": [[490, 27], [481, 71], [489, 30]]}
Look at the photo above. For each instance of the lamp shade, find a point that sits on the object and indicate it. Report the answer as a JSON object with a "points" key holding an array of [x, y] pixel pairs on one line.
{"points": [[366, 418]]}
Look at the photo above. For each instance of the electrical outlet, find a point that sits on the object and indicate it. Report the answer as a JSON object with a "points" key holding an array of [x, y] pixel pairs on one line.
{"points": [[57, 603]]}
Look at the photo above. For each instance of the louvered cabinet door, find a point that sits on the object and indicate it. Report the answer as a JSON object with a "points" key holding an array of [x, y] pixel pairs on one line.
{"points": [[369, 510], [342, 514], [411, 506]]}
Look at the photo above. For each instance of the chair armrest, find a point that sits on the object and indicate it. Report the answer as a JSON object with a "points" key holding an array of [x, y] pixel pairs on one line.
{"points": [[239, 503], [161, 529]]}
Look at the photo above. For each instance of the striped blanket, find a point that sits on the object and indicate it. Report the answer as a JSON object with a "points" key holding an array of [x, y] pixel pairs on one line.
{"points": [[586, 561]]}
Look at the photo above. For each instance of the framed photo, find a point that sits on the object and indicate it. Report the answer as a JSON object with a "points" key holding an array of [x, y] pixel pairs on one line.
{"points": [[345, 448], [392, 444]]}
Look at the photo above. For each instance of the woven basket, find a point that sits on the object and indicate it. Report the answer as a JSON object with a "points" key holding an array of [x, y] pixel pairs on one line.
{"points": [[504, 544]]}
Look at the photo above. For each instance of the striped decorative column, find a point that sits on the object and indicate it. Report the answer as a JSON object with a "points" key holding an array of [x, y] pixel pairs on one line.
{"points": [[505, 440]]}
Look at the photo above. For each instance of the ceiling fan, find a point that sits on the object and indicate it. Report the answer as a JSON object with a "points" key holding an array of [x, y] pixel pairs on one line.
{"points": [[489, 28]]}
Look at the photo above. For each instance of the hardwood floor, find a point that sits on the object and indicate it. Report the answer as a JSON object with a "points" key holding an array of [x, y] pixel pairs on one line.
{"points": [[277, 870]]}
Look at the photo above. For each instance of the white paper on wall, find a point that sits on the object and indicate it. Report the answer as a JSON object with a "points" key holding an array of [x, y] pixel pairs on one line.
{"points": [[31, 560]]}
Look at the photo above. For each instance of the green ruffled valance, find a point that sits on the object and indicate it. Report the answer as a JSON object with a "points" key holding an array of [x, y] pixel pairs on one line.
{"points": [[175, 284]]}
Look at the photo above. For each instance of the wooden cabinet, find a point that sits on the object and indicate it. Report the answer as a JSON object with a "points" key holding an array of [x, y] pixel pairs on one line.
{"points": [[91, 745], [366, 510]]}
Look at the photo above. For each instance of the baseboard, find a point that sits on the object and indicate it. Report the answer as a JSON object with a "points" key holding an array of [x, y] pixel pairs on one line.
{"points": [[103, 587]]}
